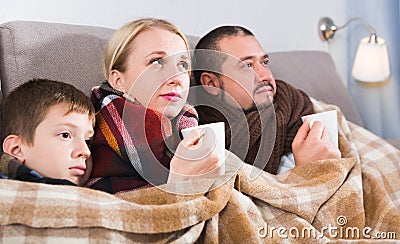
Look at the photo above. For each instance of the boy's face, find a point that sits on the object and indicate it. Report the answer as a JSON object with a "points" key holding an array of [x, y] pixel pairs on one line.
{"points": [[60, 147]]}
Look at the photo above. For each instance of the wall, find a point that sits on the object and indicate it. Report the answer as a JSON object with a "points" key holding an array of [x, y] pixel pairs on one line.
{"points": [[280, 25], [378, 103]]}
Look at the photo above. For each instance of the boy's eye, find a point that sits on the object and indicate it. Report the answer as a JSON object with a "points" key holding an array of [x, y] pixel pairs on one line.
{"points": [[265, 62], [65, 135], [89, 140]]}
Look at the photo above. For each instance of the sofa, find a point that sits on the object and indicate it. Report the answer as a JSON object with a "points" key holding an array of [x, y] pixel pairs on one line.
{"points": [[239, 209]]}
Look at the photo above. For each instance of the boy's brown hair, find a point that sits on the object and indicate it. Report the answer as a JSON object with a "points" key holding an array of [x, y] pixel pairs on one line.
{"points": [[27, 105]]}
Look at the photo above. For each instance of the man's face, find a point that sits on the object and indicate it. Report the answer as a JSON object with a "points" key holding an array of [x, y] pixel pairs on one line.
{"points": [[59, 147], [246, 77]]}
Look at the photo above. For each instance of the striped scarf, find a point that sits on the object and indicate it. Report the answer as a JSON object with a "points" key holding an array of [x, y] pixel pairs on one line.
{"points": [[132, 146]]}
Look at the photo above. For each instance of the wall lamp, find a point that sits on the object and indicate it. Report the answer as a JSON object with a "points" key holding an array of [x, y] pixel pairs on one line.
{"points": [[371, 63]]}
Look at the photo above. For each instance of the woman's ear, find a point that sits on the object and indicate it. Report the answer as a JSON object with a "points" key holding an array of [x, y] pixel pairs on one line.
{"points": [[12, 146], [116, 80], [210, 83]]}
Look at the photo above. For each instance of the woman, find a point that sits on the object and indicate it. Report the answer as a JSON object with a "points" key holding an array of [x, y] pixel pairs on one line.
{"points": [[141, 107]]}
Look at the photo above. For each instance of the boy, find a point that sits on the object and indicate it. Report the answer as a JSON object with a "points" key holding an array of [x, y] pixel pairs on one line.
{"points": [[45, 127]]}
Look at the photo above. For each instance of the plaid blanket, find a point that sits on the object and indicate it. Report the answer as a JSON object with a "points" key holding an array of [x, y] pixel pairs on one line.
{"points": [[356, 198]]}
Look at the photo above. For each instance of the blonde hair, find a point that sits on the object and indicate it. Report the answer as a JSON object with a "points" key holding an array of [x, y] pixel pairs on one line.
{"points": [[117, 50]]}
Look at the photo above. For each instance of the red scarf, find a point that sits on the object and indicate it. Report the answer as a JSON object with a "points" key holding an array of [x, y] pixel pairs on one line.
{"points": [[129, 150]]}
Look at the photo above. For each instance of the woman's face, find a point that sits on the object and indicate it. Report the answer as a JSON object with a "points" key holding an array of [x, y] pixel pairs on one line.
{"points": [[157, 71]]}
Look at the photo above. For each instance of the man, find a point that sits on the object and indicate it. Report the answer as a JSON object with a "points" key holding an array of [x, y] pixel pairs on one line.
{"points": [[239, 89]]}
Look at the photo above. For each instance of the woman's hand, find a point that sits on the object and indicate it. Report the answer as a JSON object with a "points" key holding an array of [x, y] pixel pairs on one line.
{"points": [[195, 157], [312, 144]]}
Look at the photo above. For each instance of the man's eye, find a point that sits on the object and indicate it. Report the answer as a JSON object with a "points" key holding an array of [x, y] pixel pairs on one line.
{"points": [[247, 65], [265, 62]]}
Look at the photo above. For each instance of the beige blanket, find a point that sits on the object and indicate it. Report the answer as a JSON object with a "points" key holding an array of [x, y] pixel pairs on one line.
{"points": [[355, 198]]}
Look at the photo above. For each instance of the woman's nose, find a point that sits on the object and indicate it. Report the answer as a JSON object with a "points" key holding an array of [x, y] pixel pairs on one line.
{"points": [[178, 79], [175, 81]]}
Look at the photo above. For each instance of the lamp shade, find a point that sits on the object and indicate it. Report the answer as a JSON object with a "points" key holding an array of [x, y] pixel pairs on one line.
{"points": [[371, 63]]}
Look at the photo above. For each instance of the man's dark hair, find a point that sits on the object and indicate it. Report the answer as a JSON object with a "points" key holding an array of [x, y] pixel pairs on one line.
{"points": [[207, 61]]}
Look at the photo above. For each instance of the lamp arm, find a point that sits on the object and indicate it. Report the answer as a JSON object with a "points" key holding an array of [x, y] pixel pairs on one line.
{"points": [[326, 28], [371, 29]]}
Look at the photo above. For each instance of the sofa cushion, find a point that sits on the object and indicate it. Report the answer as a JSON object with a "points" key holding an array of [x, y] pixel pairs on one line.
{"points": [[68, 53]]}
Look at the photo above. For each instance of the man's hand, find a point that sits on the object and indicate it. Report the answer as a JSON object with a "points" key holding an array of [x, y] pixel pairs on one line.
{"points": [[194, 158], [311, 144]]}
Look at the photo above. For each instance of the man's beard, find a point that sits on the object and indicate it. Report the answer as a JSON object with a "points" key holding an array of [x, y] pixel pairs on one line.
{"points": [[269, 99], [254, 106]]}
